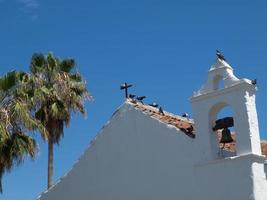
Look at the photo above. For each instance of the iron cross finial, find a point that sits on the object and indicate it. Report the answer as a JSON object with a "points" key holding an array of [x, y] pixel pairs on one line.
{"points": [[125, 87]]}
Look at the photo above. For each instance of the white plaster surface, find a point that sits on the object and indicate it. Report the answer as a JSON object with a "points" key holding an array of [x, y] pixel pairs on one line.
{"points": [[134, 157], [221, 70], [239, 95], [137, 157]]}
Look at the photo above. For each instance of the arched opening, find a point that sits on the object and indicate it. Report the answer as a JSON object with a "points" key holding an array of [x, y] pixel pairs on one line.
{"points": [[222, 130], [218, 82]]}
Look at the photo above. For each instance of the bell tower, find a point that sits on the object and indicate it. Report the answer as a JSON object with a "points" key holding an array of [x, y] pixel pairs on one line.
{"points": [[223, 89]]}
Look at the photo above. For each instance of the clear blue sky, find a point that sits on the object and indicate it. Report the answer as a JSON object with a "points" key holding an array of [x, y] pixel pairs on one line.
{"points": [[163, 47]]}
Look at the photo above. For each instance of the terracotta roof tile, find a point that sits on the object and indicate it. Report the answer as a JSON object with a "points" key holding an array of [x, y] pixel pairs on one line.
{"points": [[264, 147], [184, 124], [231, 146]]}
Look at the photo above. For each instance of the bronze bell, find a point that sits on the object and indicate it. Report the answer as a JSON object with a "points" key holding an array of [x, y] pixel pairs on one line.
{"points": [[226, 136]]}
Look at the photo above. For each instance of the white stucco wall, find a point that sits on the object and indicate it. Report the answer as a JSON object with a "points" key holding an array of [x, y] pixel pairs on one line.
{"points": [[242, 176], [241, 99], [138, 157], [134, 157], [239, 177]]}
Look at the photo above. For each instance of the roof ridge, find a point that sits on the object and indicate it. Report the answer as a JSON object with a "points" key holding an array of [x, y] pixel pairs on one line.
{"points": [[184, 124], [139, 104]]}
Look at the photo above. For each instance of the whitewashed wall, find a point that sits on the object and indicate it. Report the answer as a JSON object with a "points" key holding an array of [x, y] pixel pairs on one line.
{"points": [[136, 157]]}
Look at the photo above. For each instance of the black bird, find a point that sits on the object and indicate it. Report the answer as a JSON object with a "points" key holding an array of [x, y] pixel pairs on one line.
{"points": [[254, 82], [161, 111], [219, 55], [153, 105], [125, 87], [140, 99], [132, 96], [185, 115]]}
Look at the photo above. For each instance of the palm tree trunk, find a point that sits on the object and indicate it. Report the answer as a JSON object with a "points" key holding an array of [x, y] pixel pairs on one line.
{"points": [[50, 164]]}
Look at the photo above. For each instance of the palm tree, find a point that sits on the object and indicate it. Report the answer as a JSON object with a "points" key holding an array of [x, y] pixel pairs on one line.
{"points": [[59, 91], [15, 121]]}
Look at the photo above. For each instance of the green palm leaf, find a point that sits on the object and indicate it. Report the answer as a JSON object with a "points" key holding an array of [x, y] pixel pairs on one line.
{"points": [[59, 91], [16, 120]]}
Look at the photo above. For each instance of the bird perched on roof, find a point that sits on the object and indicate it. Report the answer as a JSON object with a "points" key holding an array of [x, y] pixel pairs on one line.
{"points": [[140, 99], [153, 105], [220, 55], [161, 111], [132, 96], [254, 82], [185, 115]]}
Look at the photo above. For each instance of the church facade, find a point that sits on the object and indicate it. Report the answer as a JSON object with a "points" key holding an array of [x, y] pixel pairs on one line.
{"points": [[143, 153]]}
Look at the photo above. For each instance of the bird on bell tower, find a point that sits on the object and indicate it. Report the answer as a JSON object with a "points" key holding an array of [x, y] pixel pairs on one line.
{"points": [[239, 95]]}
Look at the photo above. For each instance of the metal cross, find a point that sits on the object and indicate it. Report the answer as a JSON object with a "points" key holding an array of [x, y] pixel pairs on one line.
{"points": [[125, 87]]}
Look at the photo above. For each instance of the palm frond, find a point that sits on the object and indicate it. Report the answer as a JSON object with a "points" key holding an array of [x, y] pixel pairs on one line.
{"points": [[16, 148], [8, 81], [38, 63], [67, 65], [16, 119], [52, 61]]}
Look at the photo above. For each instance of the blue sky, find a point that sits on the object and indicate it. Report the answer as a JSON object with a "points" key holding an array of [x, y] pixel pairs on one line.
{"points": [[164, 48]]}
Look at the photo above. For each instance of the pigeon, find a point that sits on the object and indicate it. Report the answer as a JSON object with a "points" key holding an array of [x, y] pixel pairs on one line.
{"points": [[132, 96], [153, 105], [219, 55], [161, 111], [185, 115], [254, 82], [141, 98]]}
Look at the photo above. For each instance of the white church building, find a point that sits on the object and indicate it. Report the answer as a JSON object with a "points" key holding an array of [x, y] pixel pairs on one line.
{"points": [[143, 153]]}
